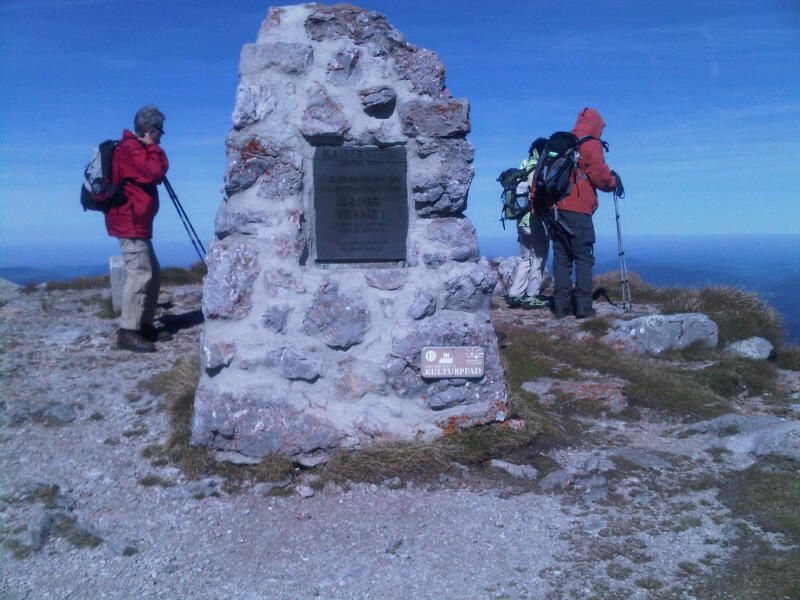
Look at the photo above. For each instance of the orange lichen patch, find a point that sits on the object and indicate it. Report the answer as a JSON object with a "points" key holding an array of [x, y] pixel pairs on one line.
{"points": [[253, 148], [454, 424]]}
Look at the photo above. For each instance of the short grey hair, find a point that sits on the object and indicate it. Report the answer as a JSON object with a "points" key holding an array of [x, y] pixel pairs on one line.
{"points": [[148, 118]]}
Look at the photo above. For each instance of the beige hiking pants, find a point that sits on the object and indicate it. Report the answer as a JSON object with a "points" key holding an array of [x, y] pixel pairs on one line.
{"points": [[142, 283]]}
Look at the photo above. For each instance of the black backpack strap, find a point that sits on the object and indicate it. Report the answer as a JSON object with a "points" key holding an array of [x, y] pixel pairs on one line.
{"points": [[586, 138]]}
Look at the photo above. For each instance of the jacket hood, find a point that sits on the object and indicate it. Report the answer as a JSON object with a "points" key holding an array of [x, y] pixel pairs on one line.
{"points": [[127, 134], [589, 123]]}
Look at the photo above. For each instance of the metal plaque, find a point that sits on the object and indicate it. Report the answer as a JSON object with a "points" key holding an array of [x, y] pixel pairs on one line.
{"points": [[452, 362], [361, 204]]}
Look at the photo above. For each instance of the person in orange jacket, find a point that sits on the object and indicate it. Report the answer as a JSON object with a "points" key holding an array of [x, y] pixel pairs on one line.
{"points": [[573, 235], [139, 164]]}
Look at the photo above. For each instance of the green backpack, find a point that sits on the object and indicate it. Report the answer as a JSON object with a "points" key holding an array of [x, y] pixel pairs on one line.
{"points": [[516, 206]]}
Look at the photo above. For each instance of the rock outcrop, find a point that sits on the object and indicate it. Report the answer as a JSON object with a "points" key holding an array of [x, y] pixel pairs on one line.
{"points": [[654, 334], [313, 334], [755, 348]]}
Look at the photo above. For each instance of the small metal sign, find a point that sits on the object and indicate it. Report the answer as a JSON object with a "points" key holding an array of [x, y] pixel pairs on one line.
{"points": [[463, 362]]}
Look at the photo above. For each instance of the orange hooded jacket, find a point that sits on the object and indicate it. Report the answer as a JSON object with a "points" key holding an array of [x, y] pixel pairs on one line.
{"points": [[593, 173]]}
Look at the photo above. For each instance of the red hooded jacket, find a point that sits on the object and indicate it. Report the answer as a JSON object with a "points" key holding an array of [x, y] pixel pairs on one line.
{"points": [[143, 167], [593, 173]]}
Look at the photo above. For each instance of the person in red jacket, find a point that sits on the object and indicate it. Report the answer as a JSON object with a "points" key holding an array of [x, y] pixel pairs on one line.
{"points": [[140, 165], [573, 236]]}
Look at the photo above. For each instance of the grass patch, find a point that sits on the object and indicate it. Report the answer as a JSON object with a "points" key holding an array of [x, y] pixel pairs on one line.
{"points": [[135, 432], [598, 326], [154, 481], [649, 583], [80, 283], [45, 493], [181, 276], [735, 376], [67, 527], [767, 493], [788, 358], [425, 461], [650, 383], [756, 571], [697, 351], [107, 309]]}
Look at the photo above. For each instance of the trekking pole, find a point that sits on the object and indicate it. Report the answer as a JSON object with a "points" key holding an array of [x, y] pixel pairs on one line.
{"points": [[187, 224], [627, 302]]}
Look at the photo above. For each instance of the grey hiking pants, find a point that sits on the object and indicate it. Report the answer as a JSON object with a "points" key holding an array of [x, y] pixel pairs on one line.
{"points": [[573, 243], [531, 270], [142, 283]]}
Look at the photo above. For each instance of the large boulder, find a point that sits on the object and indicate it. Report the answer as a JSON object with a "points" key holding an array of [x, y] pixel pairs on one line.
{"points": [[654, 334]]}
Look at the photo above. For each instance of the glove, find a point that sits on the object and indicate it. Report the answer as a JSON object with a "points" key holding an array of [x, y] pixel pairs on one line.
{"points": [[619, 190]]}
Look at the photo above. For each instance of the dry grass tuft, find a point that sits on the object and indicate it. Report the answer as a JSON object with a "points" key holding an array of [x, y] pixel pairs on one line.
{"points": [[404, 460], [80, 283], [181, 276], [738, 313], [788, 358]]}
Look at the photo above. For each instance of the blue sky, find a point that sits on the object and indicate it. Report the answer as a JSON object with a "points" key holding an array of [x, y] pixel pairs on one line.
{"points": [[701, 101]]}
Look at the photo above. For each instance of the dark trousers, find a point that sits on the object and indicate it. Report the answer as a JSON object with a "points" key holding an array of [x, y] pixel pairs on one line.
{"points": [[573, 243]]}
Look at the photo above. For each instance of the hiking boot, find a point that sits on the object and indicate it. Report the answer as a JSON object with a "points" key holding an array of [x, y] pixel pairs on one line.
{"points": [[514, 301], [533, 302], [152, 334], [586, 314], [128, 339]]}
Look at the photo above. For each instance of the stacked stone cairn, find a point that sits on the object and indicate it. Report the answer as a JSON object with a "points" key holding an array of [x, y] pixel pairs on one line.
{"points": [[300, 356]]}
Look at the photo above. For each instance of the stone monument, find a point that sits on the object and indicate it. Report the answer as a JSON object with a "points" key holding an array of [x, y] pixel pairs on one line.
{"points": [[341, 249]]}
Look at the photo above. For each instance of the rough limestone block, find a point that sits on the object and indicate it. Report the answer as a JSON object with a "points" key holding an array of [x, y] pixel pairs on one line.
{"points": [[218, 355], [469, 290], [275, 317], [386, 279], [116, 266], [424, 305], [378, 102], [291, 59], [755, 348], [232, 270], [443, 240], [253, 103], [230, 221], [294, 364], [435, 118], [423, 69], [340, 321], [324, 121], [344, 65], [256, 422], [250, 158], [653, 334]]}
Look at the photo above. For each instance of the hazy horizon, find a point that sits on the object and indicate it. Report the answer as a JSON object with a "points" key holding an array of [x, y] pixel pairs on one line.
{"points": [[766, 265]]}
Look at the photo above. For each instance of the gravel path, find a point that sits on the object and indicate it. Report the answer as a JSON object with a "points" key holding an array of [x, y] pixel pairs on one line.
{"points": [[75, 417]]}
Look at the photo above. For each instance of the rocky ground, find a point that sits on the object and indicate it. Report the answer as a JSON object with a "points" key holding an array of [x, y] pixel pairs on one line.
{"points": [[615, 499]]}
